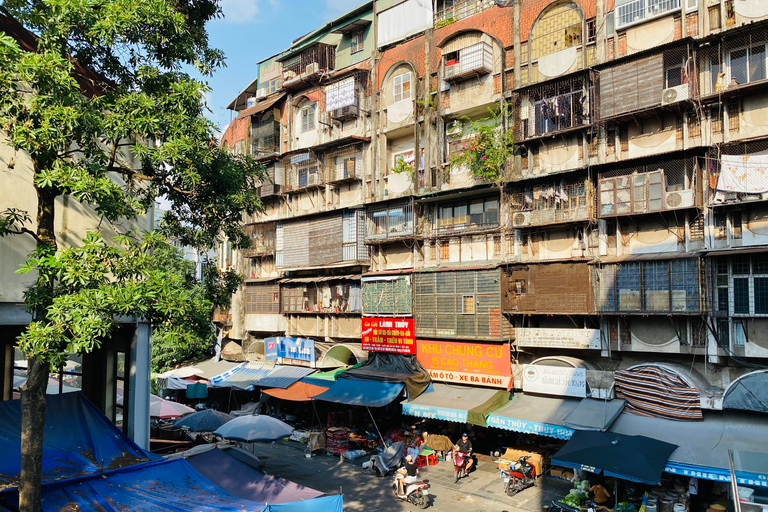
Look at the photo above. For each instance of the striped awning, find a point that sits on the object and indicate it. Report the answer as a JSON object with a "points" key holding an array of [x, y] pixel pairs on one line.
{"points": [[283, 376], [243, 376], [652, 390]]}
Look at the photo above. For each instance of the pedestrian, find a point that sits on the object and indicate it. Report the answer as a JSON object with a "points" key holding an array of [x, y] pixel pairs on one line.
{"points": [[693, 495]]}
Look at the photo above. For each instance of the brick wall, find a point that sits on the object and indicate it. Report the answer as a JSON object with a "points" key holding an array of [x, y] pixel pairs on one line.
{"points": [[692, 24]]}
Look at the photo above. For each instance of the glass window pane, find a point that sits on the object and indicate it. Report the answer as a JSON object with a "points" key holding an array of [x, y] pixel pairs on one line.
{"points": [[757, 63], [739, 66], [741, 296], [761, 295]]}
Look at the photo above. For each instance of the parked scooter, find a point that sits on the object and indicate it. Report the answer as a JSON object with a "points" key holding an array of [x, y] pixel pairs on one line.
{"points": [[415, 493], [460, 460], [522, 476]]}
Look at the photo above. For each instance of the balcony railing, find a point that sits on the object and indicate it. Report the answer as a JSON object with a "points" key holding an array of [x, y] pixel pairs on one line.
{"points": [[309, 63], [458, 10], [262, 239], [476, 59]]}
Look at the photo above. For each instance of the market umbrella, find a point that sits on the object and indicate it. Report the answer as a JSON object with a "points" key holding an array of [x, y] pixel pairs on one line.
{"points": [[636, 458], [256, 427], [203, 421], [159, 408]]}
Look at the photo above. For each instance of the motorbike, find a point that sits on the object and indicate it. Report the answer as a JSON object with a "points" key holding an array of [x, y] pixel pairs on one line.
{"points": [[522, 476], [460, 460], [415, 493]]}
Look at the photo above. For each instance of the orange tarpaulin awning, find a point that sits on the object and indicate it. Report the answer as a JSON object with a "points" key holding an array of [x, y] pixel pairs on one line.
{"points": [[297, 392]]}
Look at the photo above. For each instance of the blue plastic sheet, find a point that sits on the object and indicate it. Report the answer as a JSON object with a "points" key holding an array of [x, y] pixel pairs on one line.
{"points": [[361, 392], [78, 440]]}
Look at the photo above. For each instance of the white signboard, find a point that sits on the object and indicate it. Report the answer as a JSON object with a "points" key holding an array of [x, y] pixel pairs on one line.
{"points": [[341, 94], [558, 338], [555, 380]]}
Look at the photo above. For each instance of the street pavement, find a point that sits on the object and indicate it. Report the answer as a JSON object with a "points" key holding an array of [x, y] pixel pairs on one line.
{"points": [[481, 491]]}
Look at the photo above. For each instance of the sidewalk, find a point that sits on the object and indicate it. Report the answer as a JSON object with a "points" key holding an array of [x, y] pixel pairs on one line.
{"points": [[481, 491]]}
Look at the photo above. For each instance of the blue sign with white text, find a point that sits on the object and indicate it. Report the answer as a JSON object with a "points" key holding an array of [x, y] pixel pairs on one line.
{"points": [[302, 349]]}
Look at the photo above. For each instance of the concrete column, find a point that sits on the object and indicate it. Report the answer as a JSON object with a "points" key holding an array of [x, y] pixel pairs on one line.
{"points": [[138, 396]]}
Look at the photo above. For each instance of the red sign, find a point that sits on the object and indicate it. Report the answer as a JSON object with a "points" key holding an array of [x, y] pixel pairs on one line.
{"points": [[486, 364], [389, 335]]}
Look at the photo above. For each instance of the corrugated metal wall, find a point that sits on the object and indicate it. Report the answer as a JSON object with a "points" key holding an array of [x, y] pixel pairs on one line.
{"points": [[559, 288], [440, 305], [631, 86]]}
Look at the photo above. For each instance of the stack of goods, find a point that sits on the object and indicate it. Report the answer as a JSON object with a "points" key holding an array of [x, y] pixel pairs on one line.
{"points": [[363, 440], [338, 440]]}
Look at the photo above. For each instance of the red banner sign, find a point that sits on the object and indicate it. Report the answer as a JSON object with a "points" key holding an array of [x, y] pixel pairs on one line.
{"points": [[486, 364], [395, 335]]}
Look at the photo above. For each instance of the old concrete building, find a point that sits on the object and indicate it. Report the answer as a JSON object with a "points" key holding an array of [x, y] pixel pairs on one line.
{"points": [[627, 232]]}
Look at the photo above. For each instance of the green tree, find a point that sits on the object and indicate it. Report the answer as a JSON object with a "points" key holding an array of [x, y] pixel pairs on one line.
{"points": [[99, 100], [489, 151]]}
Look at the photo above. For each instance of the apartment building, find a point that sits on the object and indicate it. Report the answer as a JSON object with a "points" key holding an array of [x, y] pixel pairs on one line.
{"points": [[625, 236]]}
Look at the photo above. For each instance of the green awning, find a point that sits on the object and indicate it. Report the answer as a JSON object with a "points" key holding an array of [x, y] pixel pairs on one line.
{"points": [[457, 403]]}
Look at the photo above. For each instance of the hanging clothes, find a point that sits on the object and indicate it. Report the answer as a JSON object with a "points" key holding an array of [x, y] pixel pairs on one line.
{"points": [[326, 297], [355, 299]]}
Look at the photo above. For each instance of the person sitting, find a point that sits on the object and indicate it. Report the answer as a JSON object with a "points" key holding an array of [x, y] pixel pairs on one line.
{"points": [[406, 475], [601, 495], [465, 445]]}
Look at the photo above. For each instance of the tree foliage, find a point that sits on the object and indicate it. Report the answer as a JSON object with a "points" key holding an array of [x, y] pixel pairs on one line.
{"points": [[489, 149], [98, 98]]}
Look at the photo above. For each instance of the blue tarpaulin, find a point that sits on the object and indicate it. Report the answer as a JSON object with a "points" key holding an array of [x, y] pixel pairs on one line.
{"points": [[78, 440], [243, 376], [361, 392], [77, 435]]}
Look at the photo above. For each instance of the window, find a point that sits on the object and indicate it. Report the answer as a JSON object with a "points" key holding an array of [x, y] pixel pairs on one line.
{"points": [[748, 286], [675, 74], [357, 41], [714, 17], [474, 214], [639, 10], [445, 250], [591, 31], [559, 106], [274, 85], [308, 118], [402, 87], [467, 304], [747, 65]]}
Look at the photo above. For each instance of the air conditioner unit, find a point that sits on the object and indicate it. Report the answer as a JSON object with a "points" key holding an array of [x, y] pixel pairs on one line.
{"points": [[675, 94], [313, 179], [261, 93], [345, 113], [521, 219], [679, 199], [312, 68]]}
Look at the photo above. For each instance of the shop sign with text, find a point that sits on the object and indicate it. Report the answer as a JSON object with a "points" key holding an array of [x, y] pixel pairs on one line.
{"points": [[299, 349], [394, 335], [555, 380], [558, 338], [484, 364]]}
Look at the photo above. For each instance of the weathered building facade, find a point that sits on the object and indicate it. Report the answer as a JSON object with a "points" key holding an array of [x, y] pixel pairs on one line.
{"points": [[628, 228]]}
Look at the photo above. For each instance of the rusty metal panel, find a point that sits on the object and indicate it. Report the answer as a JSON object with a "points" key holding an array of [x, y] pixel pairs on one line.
{"points": [[295, 247], [325, 240], [631, 86], [553, 288]]}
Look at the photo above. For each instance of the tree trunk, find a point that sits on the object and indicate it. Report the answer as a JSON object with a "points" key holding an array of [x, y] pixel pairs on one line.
{"points": [[33, 394], [32, 428]]}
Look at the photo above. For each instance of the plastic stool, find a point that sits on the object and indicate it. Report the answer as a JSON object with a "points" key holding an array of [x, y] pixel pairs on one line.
{"points": [[432, 459], [421, 461]]}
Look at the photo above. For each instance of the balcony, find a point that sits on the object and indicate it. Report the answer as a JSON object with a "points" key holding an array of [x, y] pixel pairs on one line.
{"points": [[473, 60], [268, 186], [265, 138], [649, 188], [262, 239], [450, 11], [345, 164], [393, 221], [477, 215], [738, 173], [555, 107], [552, 204], [306, 67], [302, 171]]}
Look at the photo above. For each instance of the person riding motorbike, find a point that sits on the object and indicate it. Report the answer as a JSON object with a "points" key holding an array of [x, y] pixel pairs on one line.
{"points": [[465, 445], [406, 475]]}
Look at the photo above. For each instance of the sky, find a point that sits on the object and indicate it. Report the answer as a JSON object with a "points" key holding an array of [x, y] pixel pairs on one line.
{"points": [[253, 30]]}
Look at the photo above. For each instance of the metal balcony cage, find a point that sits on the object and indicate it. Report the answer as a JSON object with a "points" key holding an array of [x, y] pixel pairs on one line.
{"points": [[265, 137], [469, 61], [394, 220], [262, 239], [329, 295], [344, 163], [649, 287], [738, 172], [391, 296], [318, 58], [727, 66], [449, 11], [652, 187], [262, 298], [553, 202], [303, 170], [555, 106]]}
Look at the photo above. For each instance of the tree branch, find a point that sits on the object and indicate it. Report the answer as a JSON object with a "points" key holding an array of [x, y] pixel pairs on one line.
{"points": [[22, 231], [135, 175]]}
